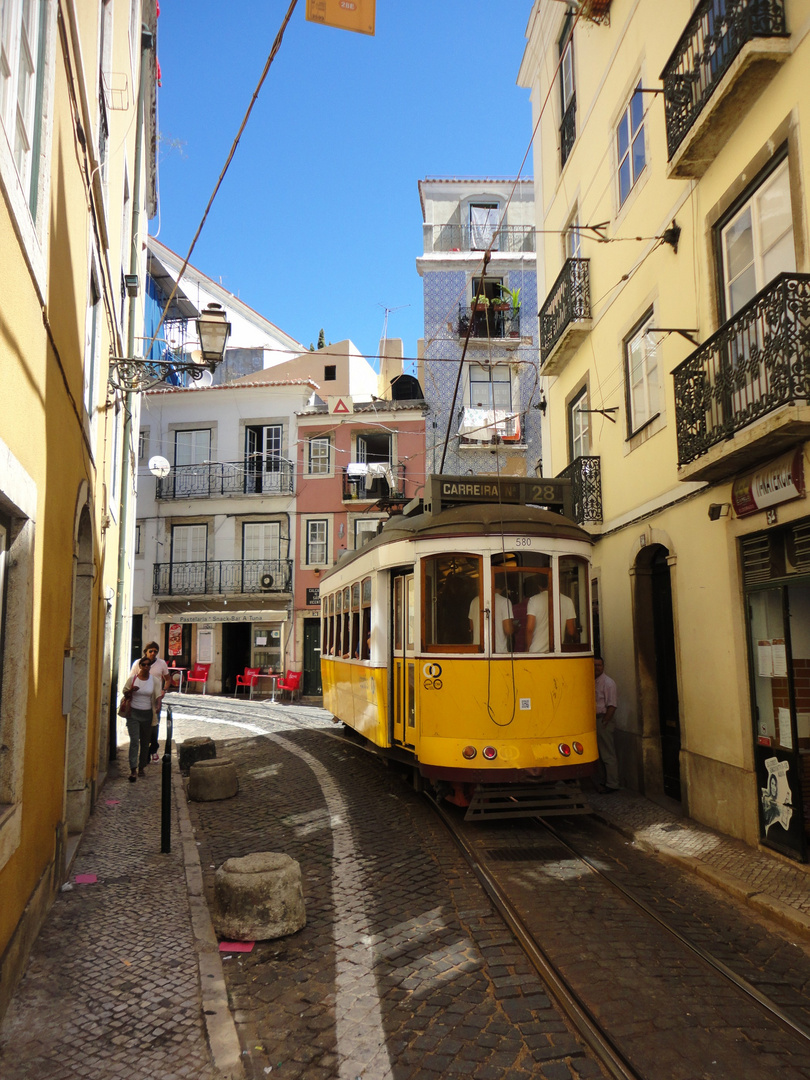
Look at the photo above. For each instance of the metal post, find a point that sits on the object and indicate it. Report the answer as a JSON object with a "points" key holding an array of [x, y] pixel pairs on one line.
{"points": [[166, 788]]}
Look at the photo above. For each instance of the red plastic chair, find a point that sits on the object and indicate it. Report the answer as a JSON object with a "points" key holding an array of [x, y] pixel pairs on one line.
{"points": [[290, 684], [199, 674], [248, 679]]}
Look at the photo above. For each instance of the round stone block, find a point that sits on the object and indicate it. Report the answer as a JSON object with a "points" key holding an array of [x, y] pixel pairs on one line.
{"points": [[194, 750], [212, 780], [258, 897]]}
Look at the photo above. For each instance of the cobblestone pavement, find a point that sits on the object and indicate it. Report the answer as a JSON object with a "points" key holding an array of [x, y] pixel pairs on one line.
{"points": [[402, 971]]}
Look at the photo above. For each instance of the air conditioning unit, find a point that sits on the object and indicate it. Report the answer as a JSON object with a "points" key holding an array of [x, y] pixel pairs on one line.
{"points": [[266, 582]]}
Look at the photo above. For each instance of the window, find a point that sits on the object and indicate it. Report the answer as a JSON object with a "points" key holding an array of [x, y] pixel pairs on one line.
{"points": [[189, 558], [138, 548], [573, 602], [490, 312], [320, 456], [365, 529], [261, 540], [568, 98], [483, 226], [264, 466], [21, 60], [330, 372], [143, 444], [365, 633], [522, 580], [490, 387], [317, 539], [573, 239], [451, 584], [579, 441], [757, 242], [630, 144], [192, 447], [92, 346], [642, 377]]}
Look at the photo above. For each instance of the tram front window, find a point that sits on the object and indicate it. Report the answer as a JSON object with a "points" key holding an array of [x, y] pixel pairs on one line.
{"points": [[524, 578], [450, 584]]}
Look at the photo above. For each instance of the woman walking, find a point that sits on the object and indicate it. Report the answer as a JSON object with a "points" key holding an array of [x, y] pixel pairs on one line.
{"points": [[144, 691]]}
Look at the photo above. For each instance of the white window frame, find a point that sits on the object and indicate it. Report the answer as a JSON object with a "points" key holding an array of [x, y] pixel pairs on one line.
{"points": [[572, 240], [193, 446], [365, 527], [752, 206], [261, 541], [319, 463], [314, 526], [492, 377], [635, 133], [579, 425], [642, 373]]}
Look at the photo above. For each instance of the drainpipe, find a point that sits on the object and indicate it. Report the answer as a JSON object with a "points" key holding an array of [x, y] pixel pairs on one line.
{"points": [[147, 43]]}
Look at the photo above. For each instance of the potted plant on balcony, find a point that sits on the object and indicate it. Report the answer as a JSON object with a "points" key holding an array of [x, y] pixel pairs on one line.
{"points": [[511, 297], [480, 303]]}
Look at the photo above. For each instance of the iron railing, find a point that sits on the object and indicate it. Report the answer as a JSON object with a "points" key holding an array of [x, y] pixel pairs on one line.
{"points": [[357, 487], [713, 37], [488, 322], [568, 130], [224, 577], [262, 476], [585, 474], [569, 301], [466, 238], [756, 362]]}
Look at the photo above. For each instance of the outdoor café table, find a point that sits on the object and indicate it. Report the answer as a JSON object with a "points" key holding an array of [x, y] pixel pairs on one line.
{"points": [[266, 675], [180, 672]]}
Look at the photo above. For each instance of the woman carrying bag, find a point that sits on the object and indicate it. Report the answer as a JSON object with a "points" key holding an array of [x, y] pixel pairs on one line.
{"points": [[143, 690]]}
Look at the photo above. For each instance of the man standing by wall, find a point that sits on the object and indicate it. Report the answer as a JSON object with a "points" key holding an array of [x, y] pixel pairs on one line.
{"points": [[607, 701]]}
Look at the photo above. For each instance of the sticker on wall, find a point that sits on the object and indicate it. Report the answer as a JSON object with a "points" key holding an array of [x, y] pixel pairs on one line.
{"points": [[777, 808]]}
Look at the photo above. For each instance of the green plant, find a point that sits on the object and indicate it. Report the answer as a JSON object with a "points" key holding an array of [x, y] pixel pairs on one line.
{"points": [[480, 301], [512, 297]]}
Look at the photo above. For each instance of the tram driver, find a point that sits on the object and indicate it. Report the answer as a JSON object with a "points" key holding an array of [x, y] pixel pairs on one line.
{"points": [[503, 621]]}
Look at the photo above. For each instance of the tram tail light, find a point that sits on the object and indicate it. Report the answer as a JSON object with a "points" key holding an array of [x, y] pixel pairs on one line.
{"points": [[490, 753], [578, 748], [469, 752], [564, 749]]}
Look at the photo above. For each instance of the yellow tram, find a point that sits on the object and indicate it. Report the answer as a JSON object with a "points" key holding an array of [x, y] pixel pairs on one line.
{"points": [[459, 640]]}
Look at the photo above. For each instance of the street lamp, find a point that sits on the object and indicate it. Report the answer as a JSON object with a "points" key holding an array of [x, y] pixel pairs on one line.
{"points": [[138, 373]]}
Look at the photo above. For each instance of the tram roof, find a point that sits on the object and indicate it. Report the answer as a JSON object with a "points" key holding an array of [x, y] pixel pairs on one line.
{"points": [[483, 519]]}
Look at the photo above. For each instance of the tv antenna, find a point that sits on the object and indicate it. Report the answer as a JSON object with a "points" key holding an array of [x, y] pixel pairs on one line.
{"points": [[388, 310]]}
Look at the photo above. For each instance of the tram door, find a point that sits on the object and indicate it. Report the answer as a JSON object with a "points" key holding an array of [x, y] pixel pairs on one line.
{"points": [[403, 667]]}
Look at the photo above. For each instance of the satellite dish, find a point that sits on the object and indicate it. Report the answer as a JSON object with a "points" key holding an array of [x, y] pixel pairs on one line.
{"points": [[159, 466], [206, 379]]}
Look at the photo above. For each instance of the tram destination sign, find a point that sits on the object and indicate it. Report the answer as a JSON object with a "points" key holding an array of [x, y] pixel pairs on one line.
{"points": [[444, 491]]}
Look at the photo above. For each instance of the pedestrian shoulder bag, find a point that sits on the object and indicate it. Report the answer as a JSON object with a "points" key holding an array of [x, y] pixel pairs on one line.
{"points": [[125, 707]]}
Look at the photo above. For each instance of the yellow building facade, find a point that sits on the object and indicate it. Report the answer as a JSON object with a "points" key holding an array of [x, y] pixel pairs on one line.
{"points": [[671, 164], [77, 113]]}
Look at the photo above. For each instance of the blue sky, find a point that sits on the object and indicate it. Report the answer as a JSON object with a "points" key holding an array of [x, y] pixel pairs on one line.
{"points": [[318, 222]]}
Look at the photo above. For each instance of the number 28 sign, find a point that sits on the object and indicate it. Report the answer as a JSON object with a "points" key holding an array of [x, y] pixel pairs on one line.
{"points": [[357, 15]]}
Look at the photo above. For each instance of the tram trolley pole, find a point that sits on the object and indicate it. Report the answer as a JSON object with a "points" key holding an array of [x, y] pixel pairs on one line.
{"points": [[166, 788]]}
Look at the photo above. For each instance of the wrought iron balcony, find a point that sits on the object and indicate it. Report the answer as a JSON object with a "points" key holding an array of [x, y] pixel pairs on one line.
{"points": [[585, 474], [565, 317], [259, 476], [716, 34], [568, 130], [455, 237], [361, 486], [488, 322], [222, 577], [756, 362]]}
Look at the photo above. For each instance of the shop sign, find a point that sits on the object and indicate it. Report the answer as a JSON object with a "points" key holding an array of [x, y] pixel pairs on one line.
{"points": [[777, 482], [313, 597]]}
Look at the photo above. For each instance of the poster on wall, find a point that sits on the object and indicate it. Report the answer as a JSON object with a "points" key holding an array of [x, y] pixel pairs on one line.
{"points": [[175, 639], [205, 646]]}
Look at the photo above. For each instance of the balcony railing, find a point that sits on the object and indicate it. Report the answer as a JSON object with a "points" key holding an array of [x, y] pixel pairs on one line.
{"points": [[568, 130], [756, 362], [585, 474], [488, 322], [362, 487], [264, 476], [223, 577], [509, 238], [568, 302], [714, 36]]}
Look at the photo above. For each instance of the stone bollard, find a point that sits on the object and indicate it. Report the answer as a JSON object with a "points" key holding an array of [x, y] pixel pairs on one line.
{"points": [[257, 897], [212, 780], [194, 750]]}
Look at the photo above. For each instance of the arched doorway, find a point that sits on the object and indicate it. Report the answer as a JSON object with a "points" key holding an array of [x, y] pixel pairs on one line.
{"points": [[77, 808], [657, 672]]}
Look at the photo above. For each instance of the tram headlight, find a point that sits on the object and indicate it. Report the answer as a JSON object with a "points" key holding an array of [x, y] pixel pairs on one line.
{"points": [[469, 752], [578, 748], [490, 753], [564, 749]]}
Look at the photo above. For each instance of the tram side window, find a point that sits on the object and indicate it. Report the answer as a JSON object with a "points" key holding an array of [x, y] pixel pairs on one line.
{"points": [[365, 631], [325, 626], [574, 604], [346, 639], [524, 578], [356, 620], [338, 622], [451, 584]]}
